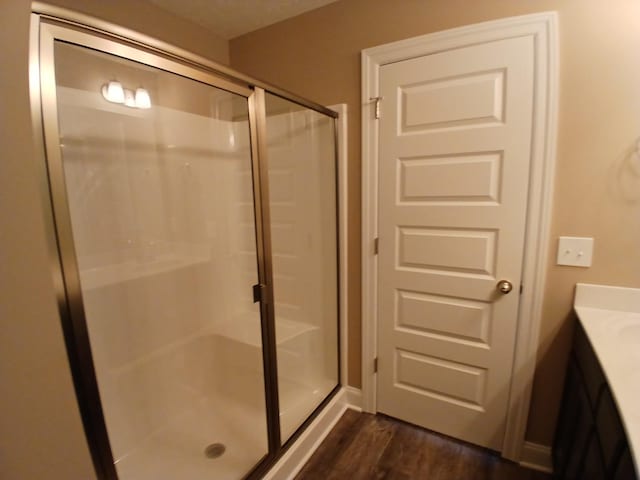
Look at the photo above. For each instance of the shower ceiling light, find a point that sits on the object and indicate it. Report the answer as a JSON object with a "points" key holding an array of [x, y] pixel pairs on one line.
{"points": [[114, 92], [142, 98]]}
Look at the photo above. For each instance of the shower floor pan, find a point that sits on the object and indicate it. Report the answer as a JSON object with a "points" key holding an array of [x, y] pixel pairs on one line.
{"points": [[178, 451]]}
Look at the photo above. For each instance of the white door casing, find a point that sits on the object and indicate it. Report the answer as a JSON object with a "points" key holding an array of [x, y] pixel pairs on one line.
{"points": [[471, 100]]}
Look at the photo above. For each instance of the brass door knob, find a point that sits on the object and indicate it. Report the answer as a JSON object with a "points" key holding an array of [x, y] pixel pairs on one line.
{"points": [[504, 286]]}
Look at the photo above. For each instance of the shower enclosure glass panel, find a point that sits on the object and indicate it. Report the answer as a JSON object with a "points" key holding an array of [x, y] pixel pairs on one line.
{"points": [[302, 201], [162, 215]]}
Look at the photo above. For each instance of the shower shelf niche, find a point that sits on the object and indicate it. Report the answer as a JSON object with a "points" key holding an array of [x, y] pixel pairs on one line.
{"points": [[246, 329], [103, 276]]}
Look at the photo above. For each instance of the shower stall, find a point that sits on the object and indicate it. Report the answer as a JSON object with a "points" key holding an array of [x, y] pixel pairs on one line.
{"points": [[194, 241]]}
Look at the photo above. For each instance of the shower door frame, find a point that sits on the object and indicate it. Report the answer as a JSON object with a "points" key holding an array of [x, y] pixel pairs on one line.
{"points": [[50, 24]]}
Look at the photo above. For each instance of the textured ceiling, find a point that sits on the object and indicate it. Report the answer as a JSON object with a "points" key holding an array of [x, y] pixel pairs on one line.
{"points": [[231, 18]]}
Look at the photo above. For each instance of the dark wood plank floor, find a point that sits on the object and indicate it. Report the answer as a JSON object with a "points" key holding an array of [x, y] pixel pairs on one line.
{"points": [[373, 447]]}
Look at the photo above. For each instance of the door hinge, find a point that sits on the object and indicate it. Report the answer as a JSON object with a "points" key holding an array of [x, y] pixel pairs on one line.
{"points": [[376, 245], [521, 288], [260, 293], [375, 365], [377, 109]]}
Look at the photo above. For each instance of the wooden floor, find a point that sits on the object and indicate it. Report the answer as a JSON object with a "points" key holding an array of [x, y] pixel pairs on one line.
{"points": [[375, 447]]}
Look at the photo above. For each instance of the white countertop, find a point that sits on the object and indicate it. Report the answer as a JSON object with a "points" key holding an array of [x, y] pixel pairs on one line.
{"points": [[611, 319]]}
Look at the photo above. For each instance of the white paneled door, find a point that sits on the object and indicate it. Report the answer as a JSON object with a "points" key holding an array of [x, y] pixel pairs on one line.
{"points": [[454, 156]]}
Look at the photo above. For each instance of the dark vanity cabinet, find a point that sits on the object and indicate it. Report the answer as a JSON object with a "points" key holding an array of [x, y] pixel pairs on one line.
{"points": [[590, 441]]}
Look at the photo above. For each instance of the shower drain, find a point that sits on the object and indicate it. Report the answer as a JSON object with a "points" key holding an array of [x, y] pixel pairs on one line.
{"points": [[214, 450]]}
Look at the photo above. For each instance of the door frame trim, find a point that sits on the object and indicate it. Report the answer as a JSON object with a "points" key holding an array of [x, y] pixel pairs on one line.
{"points": [[542, 27], [343, 213]]}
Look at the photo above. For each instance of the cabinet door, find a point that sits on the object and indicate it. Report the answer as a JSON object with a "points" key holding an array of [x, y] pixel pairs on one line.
{"points": [[625, 469], [593, 466], [568, 419], [580, 436], [610, 429], [592, 374]]}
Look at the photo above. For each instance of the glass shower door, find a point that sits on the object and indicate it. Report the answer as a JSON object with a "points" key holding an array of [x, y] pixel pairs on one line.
{"points": [[302, 201], [157, 173]]}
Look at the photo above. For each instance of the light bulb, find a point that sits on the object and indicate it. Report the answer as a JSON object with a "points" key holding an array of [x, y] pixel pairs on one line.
{"points": [[142, 98], [113, 92]]}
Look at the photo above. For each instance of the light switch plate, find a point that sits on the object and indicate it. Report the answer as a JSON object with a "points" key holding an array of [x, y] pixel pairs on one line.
{"points": [[575, 251]]}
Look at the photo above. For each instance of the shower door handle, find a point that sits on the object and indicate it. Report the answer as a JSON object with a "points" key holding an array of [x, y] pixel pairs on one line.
{"points": [[259, 291]]}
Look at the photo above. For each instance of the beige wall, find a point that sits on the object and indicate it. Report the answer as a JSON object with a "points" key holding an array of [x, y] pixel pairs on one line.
{"points": [[317, 55], [150, 20], [41, 434]]}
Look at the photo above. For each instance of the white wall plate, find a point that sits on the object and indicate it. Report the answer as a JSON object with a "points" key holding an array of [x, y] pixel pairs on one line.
{"points": [[575, 251]]}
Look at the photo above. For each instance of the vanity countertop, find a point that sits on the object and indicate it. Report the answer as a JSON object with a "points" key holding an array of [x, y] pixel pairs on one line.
{"points": [[611, 319]]}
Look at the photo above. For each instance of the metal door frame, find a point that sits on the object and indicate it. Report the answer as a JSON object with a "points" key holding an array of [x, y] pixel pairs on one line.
{"points": [[50, 24]]}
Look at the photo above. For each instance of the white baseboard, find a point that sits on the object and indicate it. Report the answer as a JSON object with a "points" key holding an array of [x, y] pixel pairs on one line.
{"points": [[537, 457], [290, 464], [354, 398]]}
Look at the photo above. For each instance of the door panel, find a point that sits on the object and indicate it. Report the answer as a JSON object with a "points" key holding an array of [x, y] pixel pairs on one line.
{"points": [[464, 100], [438, 250], [433, 315], [454, 159], [454, 178]]}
